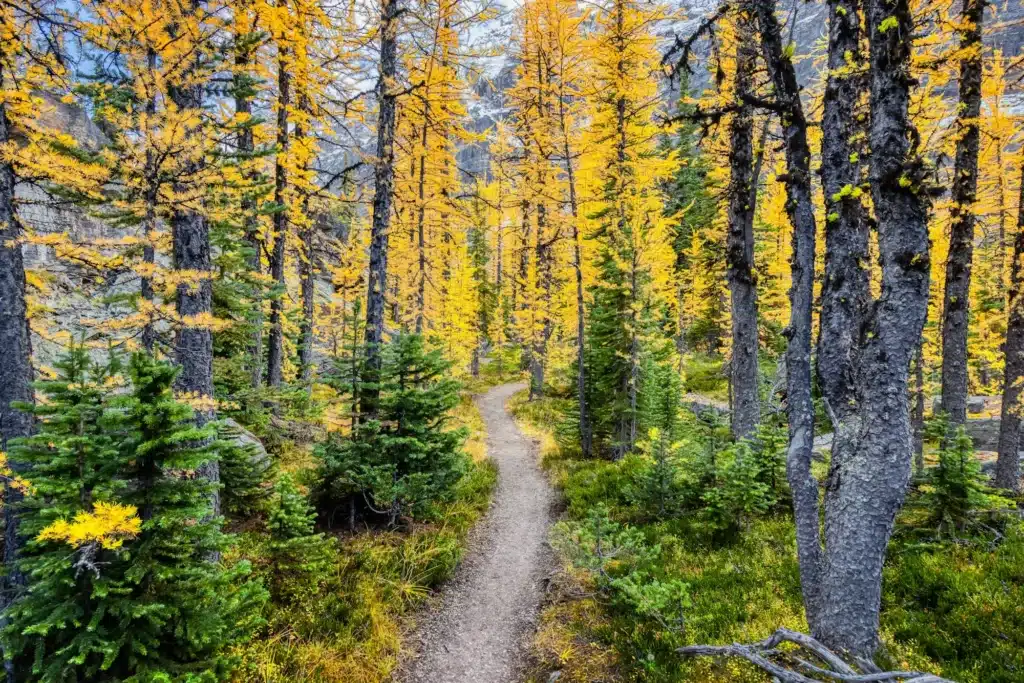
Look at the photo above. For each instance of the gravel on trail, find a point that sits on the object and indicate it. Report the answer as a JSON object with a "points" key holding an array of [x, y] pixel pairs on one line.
{"points": [[480, 631]]}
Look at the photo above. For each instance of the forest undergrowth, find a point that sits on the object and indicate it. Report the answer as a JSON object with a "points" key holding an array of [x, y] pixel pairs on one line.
{"points": [[707, 574], [345, 616]]}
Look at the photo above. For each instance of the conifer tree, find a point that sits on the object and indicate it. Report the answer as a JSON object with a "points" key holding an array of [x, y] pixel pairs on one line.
{"points": [[634, 254], [111, 485], [404, 458]]}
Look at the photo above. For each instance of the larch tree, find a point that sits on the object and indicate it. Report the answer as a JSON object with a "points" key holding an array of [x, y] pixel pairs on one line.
{"points": [[1008, 463], [744, 382], [800, 210], [634, 258], [956, 299], [191, 29], [383, 199], [871, 455]]}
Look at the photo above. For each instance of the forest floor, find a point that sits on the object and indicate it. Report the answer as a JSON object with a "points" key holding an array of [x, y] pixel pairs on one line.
{"points": [[481, 628]]}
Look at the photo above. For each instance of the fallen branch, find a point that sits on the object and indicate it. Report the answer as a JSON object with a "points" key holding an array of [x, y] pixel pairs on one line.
{"points": [[783, 664]]}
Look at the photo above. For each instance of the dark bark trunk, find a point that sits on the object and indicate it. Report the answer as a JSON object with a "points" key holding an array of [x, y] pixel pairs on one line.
{"points": [[956, 299], [800, 209], [15, 364], [383, 196], [275, 345], [421, 238], [193, 346], [1008, 463], [307, 271], [845, 294], [872, 448], [586, 438], [538, 355], [149, 220], [745, 402], [918, 413], [246, 148]]}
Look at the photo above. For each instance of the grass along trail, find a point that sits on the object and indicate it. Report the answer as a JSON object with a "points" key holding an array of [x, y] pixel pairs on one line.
{"points": [[481, 629]]}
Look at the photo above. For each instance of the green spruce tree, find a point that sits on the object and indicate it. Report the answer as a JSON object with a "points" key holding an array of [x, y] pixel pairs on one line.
{"points": [[405, 458], [127, 603]]}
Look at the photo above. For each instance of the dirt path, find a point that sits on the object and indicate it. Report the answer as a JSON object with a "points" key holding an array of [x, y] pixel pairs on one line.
{"points": [[488, 611]]}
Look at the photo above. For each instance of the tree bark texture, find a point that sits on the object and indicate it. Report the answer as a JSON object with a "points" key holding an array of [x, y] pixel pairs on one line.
{"points": [[383, 197], [1008, 462], [275, 345], [746, 412], [800, 210], [956, 299], [246, 147], [193, 346], [15, 362], [845, 294], [872, 448]]}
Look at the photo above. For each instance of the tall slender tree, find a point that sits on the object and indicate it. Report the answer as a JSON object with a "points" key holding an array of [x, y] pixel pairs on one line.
{"points": [[190, 231], [1008, 463], [383, 196], [956, 299], [800, 210], [742, 193]]}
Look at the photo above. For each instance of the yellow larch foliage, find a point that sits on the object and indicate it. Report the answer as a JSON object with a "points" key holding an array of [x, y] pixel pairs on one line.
{"points": [[109, 525]]}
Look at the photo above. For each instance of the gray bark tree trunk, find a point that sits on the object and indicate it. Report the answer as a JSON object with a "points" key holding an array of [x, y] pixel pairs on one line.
{"points": [[872, 447], [845, 294], [956, 298], [383, 197], [246, 147], [193, 346], [1008, 462], [745, 401], [800, 209], [275, 345], [15, 364]]}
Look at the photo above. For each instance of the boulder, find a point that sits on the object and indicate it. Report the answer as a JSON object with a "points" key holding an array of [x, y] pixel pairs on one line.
{"points": [[976, 404], [230, 430], [984, 433]]}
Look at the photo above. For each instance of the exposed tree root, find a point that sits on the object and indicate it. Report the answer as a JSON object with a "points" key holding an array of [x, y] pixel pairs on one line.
{"points": [[787, 666]]}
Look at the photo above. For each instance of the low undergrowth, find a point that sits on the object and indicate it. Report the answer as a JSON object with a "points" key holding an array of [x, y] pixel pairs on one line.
{"points": [[655, 581], [343, 616]]}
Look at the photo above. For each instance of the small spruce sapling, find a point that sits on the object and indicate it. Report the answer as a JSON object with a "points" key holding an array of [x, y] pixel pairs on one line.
{"points": [[300, 558], [958, 490], [405, 458]]}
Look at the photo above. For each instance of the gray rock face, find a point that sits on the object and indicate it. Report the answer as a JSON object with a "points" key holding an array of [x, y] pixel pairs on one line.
{"points": [[984, 433], [242, 437]]}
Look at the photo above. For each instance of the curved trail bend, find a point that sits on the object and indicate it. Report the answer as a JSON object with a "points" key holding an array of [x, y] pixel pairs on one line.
{"points": [[480, 632]]}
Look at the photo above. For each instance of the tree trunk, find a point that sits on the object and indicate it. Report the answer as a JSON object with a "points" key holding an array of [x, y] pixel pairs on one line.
{"points": [[307, 272], [246, 148], [194, 345], [383, 196], [15, 363], [586, 436], [746, 411], [956, 299], [275, 346], [845, 294], [872, 447], [149, 222], [1008, 463], [800, 209], [918, 414]]}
